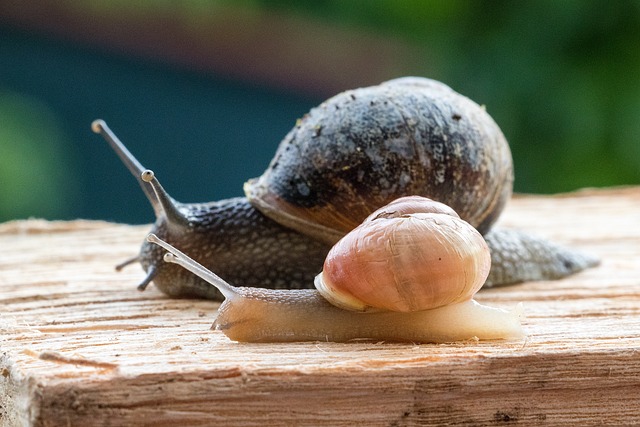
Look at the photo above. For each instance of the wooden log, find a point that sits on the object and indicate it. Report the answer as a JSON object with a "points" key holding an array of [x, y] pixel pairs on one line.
{"points": [[80, 346]]}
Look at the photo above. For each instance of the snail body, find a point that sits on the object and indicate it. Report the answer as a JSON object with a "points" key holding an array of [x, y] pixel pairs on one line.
{"points": [[354, 153], [315, 319], [433, 305]]}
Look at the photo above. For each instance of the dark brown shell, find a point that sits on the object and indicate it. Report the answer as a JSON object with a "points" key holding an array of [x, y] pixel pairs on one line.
{"points": [[364, 148]]}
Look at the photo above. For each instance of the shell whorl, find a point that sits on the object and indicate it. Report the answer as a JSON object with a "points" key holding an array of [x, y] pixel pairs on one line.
{"points": [[366, 147]]}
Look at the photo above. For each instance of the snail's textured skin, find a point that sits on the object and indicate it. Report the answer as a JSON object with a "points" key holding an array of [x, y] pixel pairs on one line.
{"points": [[517, 257], [240, 244]]}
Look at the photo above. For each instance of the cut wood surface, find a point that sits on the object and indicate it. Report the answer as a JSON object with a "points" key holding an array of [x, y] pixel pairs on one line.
{"points": [[80, 346]]}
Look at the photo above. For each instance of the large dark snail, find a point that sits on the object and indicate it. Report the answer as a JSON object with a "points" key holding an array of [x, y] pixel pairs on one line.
{"points": [[346, 158]]}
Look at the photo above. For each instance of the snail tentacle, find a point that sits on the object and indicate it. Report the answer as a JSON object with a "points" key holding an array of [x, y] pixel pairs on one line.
{"points": [[177, 257], [135, 167], [167, 206], [127, 262], [152, 272]]}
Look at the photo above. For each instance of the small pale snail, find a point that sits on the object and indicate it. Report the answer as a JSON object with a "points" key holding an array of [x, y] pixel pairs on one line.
{"points": [[355, 152], [407, 273]]}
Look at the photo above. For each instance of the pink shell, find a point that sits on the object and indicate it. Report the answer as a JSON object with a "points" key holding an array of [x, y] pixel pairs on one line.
{"points": [[405, 262]]}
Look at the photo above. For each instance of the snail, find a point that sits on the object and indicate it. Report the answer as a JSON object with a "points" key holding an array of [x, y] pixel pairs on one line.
{"points": [[356, 152], [371, 286]]}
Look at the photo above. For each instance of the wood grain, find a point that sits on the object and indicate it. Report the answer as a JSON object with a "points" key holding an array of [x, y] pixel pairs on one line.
{"points": [[80, 346]]}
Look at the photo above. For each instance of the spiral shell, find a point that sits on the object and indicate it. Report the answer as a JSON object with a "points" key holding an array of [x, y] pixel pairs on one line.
{"points": [[364, 148], [401, 261]]}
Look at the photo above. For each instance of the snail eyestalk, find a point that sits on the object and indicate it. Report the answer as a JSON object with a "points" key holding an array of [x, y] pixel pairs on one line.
{"points": [[166, 204], [135, 167], [175, 256]]}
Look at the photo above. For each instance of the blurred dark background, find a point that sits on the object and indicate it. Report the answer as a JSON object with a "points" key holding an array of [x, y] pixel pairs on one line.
{"points": [[203, 91]]}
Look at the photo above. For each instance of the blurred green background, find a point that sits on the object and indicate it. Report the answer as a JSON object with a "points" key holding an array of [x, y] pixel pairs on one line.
{"points": [[203, 91]]}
